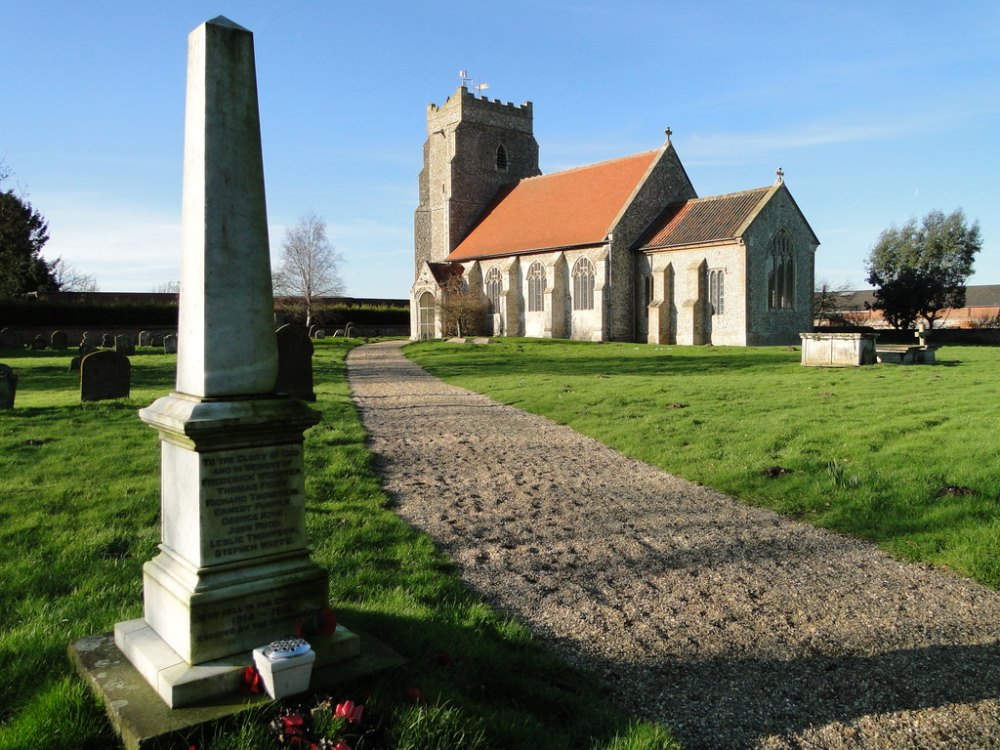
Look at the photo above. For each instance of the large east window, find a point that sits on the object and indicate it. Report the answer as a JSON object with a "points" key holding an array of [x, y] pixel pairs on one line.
{"points": [[583, 285], [536, 287], [781, 273]]}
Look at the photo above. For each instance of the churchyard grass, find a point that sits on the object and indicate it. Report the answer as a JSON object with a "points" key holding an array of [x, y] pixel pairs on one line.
{"points": [[905, 456], [79, 515]]}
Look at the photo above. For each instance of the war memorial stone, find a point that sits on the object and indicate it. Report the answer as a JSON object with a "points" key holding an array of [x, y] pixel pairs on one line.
{"points": [[295, 371], [8, 387], [105, 375], [233, 572]]}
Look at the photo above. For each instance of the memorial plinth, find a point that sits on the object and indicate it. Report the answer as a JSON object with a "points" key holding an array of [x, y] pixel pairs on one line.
{"points": [[234, 571]]}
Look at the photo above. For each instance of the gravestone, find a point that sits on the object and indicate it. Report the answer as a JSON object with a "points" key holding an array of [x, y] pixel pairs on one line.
{"points": [[104, 375], [59, 340], [234, 571], [170, 344], [107, 341], [295, 372], [74, 364], [124, 344], [8, 387], [312, 331], [9, 339], [38, 343], [145, 338], [320, 334], [87, 344], [156, 339]]}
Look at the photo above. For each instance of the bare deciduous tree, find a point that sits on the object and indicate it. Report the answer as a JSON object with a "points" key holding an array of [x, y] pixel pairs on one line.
{"points": [[463, 309], [71, 280], [310, 267]]}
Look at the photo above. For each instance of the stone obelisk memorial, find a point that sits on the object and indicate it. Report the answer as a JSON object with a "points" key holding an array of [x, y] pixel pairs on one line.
{"points": [[233, 571]]}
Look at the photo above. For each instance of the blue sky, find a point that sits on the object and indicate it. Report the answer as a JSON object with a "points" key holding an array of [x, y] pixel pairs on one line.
{"points": [[877, 111]]}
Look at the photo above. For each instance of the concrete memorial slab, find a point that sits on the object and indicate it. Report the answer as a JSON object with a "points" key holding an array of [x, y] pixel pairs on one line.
{"points": [[233, 572], [105, 375], [9, 339], [59, 340], [8, 386], [295, 372]]}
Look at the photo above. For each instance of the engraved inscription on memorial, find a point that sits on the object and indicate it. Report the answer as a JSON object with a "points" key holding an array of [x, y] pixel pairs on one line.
{"points": [[254, 499], [255, 615]]}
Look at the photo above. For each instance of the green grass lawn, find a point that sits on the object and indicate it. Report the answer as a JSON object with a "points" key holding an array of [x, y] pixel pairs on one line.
{"points": [[906, 456], [79, 515]]}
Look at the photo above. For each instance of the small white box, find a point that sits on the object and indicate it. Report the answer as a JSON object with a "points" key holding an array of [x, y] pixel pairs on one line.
{"points": [[284, 675]]}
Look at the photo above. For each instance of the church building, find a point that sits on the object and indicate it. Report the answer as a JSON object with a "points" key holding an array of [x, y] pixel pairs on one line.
{"points": [[622, 250]]}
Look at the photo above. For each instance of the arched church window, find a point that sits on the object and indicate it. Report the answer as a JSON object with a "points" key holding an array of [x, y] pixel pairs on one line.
{"points": [[502, 160], [536, 287], [494, 286], [781, 273], [583, 285], [716, 291]]}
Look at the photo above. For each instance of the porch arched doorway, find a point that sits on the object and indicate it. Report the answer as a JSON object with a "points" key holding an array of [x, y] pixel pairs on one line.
{"points": [[426, 307]]}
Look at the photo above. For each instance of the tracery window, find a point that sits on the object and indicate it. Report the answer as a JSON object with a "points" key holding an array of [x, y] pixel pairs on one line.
{"points": [[536, 287], [716, 291], [494, 286], [502, 161], [781, 273], [583, 285]]}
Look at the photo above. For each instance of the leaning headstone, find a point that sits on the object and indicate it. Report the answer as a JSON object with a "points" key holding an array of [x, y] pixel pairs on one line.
{"points": [[145, 338], [104, 375], [88, 344], [107, 341], [234, 571], [38, 343], [9, 339], [8, 387], [124, 344], [59, 340], [295, 372], [170, 344]]}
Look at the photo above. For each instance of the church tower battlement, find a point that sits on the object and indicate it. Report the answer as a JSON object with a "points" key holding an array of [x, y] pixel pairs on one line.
{"points": [[474, 147]]}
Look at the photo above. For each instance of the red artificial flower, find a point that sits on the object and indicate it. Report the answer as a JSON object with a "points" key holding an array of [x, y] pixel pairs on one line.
{"points": [[341, 745], [415, 695], [251, 680], [292, 724], [348, 710]]}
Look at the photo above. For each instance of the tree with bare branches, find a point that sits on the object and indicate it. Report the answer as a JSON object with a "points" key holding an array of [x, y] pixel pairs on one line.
{"points": [[463, 309], [310, 266]]}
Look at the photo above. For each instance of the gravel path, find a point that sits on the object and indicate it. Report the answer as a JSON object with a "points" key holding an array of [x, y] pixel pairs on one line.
{"points": [[732, 625]]}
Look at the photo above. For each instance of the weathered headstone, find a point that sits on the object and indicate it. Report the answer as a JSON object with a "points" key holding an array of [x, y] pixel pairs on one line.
{"points": [[74, 364], [124, 344], [320, 334], [145, 338], [107, 341], [9, 339], [156, 339], [8, 387], [295, 372], [104, 375], [170, 344], [312, 331], [59, 340], [38, 343], [234, 570], [88, 344]]}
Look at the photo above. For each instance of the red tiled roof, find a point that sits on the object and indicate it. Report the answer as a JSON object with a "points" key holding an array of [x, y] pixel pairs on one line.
{"points": [[562, 209], [716, 217]]}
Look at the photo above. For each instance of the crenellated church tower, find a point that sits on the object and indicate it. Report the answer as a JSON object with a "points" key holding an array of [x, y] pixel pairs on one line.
{"points": [[474, 147]]}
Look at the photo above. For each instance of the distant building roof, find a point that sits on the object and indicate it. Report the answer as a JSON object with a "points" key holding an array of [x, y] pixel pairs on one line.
{"points": [[562, 209], [709, 219], [980, 295]]}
